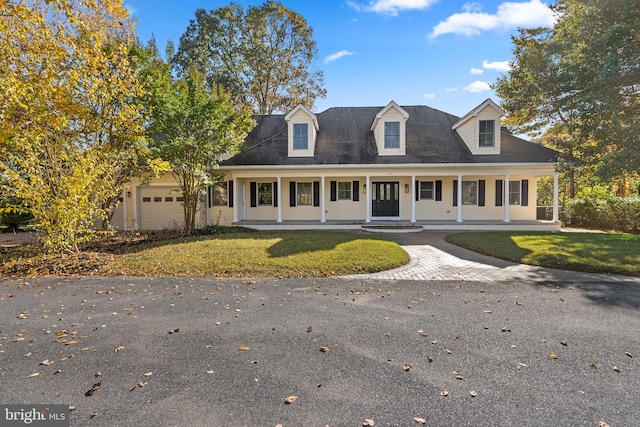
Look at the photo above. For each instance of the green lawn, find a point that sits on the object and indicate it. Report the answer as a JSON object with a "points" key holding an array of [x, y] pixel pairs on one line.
{"points": [[616, 253], [263, 254]]}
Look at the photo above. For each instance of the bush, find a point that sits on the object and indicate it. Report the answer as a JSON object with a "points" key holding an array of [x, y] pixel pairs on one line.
{"points": [[617, 213], [13, 215]]}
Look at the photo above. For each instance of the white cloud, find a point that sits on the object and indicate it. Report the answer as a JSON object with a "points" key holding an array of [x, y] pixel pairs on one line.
{"points": [[478, 86], [476, 71], [496, 65], [391, 7], [131, 9], [510, 15], [451, 89], [337, 55], [429, 95]]}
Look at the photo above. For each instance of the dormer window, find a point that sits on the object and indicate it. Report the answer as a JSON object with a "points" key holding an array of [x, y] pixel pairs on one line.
{"points": [[300, 136], [302, 132], [480, 129], [486, 133], [392, 135], [389, 130]]}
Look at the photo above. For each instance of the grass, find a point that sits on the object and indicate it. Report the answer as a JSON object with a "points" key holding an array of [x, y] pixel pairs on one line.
{"points": [[614, 253], [230, 254]]}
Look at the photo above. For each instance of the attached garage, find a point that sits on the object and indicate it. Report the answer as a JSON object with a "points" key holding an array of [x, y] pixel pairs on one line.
{"points": [[159, 208]]}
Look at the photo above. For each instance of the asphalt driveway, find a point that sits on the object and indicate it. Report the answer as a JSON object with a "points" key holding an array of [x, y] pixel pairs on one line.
{"points": [[199, 352]]}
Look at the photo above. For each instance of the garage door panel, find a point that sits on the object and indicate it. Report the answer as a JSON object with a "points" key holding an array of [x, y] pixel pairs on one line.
{"points": [[160, 208]]}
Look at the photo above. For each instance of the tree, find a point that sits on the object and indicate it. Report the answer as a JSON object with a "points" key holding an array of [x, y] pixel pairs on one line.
{"points": [[66, 113], [192, 127], [262, 56], [580, 79]]}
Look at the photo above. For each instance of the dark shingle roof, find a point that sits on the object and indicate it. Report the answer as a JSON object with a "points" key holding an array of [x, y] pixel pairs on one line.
{"points": [[345, 137]]}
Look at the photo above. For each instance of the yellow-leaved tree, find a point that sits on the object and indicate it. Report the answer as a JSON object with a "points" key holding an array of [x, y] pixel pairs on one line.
{"points": [[70, 125]]}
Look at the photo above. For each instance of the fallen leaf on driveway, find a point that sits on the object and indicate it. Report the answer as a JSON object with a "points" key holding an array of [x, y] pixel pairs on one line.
{"points": [[563, 342], [324, 349], [444, 393], [119, 348], [473, 393], [626, 353], [553, 356], [174, 330], [368, 422], [602, 424], [615, 368], [290, 399], [47, 362], [35, 374], [419, 420], [243, 348], [93, 414], [406, 367]]}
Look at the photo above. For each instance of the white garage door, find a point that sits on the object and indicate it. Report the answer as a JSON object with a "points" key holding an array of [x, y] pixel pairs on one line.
{"points": [[160, 207]]}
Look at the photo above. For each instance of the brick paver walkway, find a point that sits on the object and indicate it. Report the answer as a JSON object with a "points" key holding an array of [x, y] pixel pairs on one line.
{"points": [[434, 259]]}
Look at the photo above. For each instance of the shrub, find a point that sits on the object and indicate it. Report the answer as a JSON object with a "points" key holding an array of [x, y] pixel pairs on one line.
{"points": [[616, 213], [13, 215]]}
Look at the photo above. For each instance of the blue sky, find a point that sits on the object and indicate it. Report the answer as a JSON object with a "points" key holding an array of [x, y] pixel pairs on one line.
{"points": [[440, 53]]}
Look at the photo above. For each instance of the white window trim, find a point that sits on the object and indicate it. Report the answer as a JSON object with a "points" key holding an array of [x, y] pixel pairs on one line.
{"points": [[433, 190], [298, 193], [344, 199], [463, 193]]}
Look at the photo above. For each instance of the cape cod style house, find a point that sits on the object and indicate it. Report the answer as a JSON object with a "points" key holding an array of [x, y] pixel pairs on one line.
{"points": [[350, 167]]}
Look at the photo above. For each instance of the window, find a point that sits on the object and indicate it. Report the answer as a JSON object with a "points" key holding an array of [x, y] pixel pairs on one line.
{"points": [[305, 194], [168, 199], [219, 195], [179, 199], [146, 199], [514, 192], [487, 133], [157, 199], [344, 190], [300, 136], [469, 192], [392, 135], [265, 194], [426, 190]]}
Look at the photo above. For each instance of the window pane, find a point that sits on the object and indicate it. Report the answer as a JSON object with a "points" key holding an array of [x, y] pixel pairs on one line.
{"points": [[486, 134], [469, 192], [300, 136], [344, 190], [392, 135], [514, 192], [305, 195], [219, 194], [265, 194], [426, 190]]}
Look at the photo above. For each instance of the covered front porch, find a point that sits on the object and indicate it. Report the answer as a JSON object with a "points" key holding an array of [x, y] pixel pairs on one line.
{"points": [[404, 226]]}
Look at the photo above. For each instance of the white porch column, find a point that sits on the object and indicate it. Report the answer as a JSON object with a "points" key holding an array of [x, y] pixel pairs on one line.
{"points": [[134, 197], [506, 199], [413, 199], [323, 217], [367, 197], [124, 209], [279, 199], [459, 198], [555, 198], [235, 199]]}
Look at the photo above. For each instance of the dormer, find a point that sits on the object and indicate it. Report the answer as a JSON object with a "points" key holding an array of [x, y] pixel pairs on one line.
{"points": [[389, 130], [302, 130], [480, 128]]}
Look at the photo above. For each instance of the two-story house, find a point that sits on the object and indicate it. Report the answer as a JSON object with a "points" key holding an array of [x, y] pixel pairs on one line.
{"points": [[349, 167]]}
